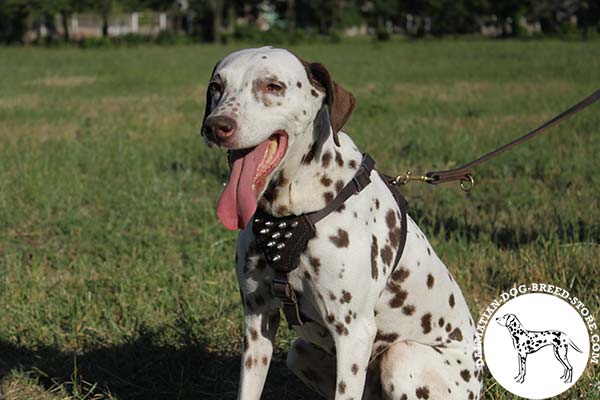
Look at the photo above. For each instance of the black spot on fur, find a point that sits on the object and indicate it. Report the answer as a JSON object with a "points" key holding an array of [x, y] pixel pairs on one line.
{"points": [[466, 375], [426, 323], [338, 159], [408, 309], [387, 254], [346, 297], [430, 281], [456, 334], [398, 300], [325, 181], [390, 218], [341, 239], [339, 185], [374, 251], [400, 275], [386, 337], [341, 329], [315, 263], [422, 392], [326, 159]]}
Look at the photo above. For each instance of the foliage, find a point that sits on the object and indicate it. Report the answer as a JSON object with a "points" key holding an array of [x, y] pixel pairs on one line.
{"points": [[210, 18], [12, 21]]}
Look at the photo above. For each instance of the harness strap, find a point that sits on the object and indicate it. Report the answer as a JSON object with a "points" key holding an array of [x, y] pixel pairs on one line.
{"points": [[283, 256], [280, 284], [360, 181], [289, 301]]}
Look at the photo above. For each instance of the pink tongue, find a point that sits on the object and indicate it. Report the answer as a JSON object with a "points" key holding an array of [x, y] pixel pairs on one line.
{"points": [[238, 201]]}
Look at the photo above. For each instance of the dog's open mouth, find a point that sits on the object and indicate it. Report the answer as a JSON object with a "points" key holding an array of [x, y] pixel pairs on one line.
{"points": [[250, 169]]}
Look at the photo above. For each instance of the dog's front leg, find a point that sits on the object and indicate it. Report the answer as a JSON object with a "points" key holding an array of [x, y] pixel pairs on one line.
{"points": [[258, 348], [353, 344]]}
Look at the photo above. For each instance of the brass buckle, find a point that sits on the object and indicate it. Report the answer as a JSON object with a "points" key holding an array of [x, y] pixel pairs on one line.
{"points": [[406, 178], [281, 289]]}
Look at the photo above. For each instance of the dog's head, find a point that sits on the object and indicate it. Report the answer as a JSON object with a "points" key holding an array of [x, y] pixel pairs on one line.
{"points": [[508, 320], [259, 103]]}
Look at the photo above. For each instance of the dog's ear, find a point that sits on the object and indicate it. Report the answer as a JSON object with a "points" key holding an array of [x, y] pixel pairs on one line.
{"points": [[207, 107], [339, 100]]}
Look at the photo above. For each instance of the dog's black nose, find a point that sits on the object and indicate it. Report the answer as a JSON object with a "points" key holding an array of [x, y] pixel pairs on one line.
{"points": [[219, 128]]}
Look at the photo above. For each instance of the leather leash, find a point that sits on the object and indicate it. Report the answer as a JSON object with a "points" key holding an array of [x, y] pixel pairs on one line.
{"points": [[463, 173]]}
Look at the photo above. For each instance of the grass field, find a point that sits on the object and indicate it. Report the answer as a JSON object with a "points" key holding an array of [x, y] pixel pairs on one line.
{"points": [[116, 279]]}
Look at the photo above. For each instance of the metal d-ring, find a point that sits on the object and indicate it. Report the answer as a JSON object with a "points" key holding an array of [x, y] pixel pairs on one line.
{"points": [[467, 183]]}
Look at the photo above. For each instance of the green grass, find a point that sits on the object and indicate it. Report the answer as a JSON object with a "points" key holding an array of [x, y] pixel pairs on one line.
{"points": [[116, 280]]}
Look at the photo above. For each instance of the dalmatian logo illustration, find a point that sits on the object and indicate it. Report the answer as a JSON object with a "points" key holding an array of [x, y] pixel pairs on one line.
{"points": [[527, 342]]}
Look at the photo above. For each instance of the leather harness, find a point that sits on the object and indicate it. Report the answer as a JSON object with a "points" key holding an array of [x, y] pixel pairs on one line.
{"points": [[283, 239]]}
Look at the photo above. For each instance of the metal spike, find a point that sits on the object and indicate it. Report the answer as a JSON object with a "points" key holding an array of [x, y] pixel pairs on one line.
{"points": [[269, 223], [282, 225], [287, 235], [276, 235], [263, 231], [276, 258], [271, 244], [280, 246], [294, 224], [257, 220]]}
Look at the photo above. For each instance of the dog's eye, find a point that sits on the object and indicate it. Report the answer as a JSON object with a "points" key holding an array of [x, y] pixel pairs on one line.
{"points": [[274, 87], [214, 87]]}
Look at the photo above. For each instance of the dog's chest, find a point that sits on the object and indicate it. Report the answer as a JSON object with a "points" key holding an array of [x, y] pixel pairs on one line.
{"points": [[340, 256]]}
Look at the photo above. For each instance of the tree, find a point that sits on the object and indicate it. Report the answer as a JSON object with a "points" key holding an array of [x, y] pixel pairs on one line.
{"points": [[104, 7], [66, 8], [290, 15], [217, 14], [13, 14], [588, 16]]}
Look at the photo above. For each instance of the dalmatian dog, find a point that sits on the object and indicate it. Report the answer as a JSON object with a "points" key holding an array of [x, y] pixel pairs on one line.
{"points": [[527, 342], [377, 331]]}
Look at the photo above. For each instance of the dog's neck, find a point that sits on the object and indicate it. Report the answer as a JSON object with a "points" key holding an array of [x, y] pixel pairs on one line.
{"points": [[515, 328], [314, 171]]}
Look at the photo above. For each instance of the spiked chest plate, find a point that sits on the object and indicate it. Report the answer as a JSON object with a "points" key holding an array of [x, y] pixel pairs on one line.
{"points": [[282, 240]]}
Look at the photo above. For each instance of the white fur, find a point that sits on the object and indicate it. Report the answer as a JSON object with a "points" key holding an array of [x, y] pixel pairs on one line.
{"points": [[371, 333]]}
